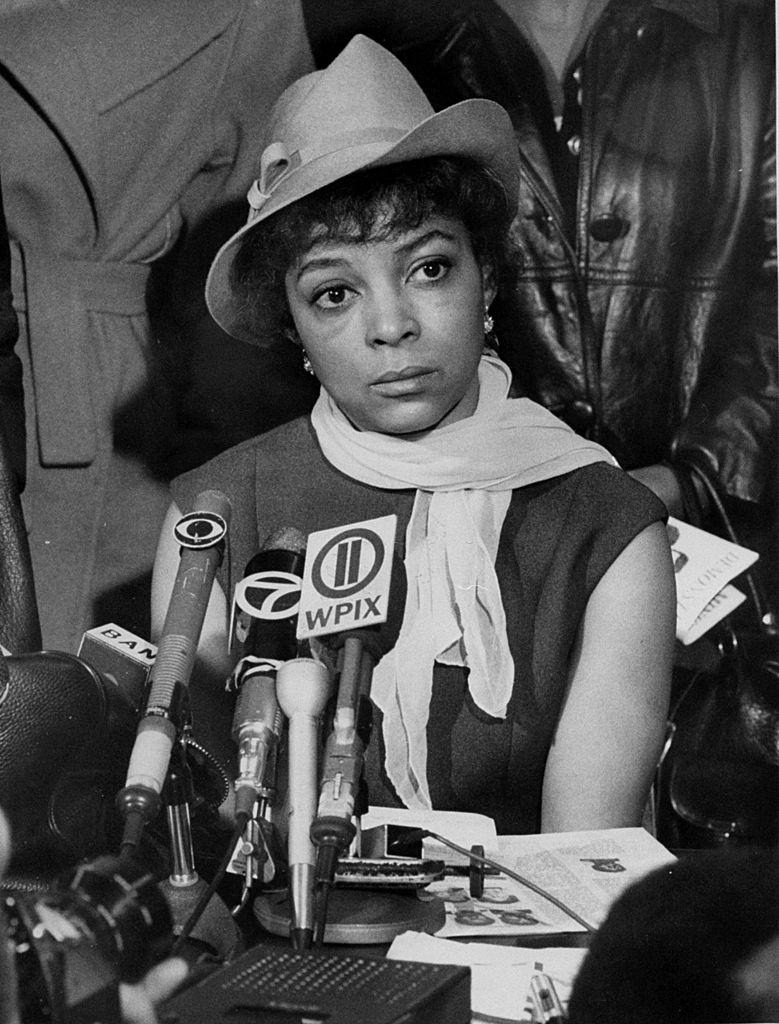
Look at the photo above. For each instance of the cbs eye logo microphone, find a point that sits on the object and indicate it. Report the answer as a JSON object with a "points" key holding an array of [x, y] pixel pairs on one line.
{"points": [[200, 530]]}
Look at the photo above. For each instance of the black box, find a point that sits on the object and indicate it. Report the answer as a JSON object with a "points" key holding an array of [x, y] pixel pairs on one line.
{"points": [[268, 985]]}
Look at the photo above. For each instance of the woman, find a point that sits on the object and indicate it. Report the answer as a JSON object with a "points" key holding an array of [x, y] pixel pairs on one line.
{"points": [[530, 677]]}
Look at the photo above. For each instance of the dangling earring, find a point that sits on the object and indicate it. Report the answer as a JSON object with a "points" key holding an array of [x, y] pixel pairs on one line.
{"points": [[490, 339], [292, 335]]}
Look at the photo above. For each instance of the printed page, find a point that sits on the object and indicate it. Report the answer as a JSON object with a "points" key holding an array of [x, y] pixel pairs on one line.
{"points": [[585, 870], [500, 975], [505, 908], [704, 564], [726, 601]]}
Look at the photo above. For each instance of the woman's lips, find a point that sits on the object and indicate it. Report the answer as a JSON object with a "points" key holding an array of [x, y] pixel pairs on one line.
{"points": [[402, 382]]}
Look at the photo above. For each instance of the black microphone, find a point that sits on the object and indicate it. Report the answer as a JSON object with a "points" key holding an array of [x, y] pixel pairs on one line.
{"points": [[201, 534], [359, 650], [263, 633]]}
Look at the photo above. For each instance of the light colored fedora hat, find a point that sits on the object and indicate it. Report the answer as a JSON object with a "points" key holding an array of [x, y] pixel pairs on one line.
{"points": [[363, 110]]}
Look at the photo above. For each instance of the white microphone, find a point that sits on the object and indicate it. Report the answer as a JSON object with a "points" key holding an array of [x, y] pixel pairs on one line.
{"points": [[201, 534], [303, 686]]}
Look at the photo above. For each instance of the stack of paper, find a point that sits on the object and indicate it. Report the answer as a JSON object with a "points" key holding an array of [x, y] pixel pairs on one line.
{"points": [[500, 975], [587, 871], [704, 566]]}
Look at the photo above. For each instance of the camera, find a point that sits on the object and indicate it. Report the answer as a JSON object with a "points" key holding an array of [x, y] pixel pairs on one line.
{"points": [[104, 923]]}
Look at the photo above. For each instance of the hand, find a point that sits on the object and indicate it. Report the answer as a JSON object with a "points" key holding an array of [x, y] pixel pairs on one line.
{"points": [[662, 481], [138, 1001]]}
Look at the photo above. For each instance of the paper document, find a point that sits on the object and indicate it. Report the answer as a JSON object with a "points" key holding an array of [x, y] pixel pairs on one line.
{"points": [[704, 566], [585, 870], [500, 975]]}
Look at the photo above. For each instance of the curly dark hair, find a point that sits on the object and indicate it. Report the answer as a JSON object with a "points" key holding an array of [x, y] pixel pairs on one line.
{"points": [[355, 209]]}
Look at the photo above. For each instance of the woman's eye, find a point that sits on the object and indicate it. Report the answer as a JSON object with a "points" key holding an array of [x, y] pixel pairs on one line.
{"points": [[329, 298], [432, 270]]}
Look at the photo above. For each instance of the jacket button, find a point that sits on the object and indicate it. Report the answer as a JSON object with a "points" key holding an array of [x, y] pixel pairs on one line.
{"points": [[607, 227], [575, 144], [542, 219], [579, 415], [648, 34]]}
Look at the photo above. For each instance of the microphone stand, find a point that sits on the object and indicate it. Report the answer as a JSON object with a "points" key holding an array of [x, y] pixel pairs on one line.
{"points": [[184, 888], [258, 855], [177, 793]]}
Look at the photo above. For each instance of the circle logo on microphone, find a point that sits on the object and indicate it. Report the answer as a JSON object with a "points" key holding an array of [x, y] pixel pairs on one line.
{"points": [[270, 594], [200, 530], [346, 577], [348, 562]]}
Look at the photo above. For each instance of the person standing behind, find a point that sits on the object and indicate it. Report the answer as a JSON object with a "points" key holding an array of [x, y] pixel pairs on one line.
{"points": [[644, 311], [120, 126]]}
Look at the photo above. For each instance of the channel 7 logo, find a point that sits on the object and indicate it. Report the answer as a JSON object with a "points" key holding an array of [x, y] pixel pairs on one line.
{"points": [[270, 594], [346, 577]]}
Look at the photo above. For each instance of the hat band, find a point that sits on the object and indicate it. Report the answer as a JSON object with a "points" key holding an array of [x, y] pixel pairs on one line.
{"points": [[350, 140], [278, 163]]}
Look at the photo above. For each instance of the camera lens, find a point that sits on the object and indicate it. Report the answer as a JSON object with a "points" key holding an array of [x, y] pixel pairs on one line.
{"points": [[106, 922], [124, 911]]}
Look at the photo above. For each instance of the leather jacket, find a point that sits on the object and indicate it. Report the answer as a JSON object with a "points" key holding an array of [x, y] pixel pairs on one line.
{"points": [[644, 313]]}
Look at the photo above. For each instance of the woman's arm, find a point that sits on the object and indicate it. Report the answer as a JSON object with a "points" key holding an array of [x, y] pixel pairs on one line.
{"points": [[612, 724]]}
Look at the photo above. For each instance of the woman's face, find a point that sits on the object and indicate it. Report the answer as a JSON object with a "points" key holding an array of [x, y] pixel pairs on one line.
{"points": [[394, 328]]}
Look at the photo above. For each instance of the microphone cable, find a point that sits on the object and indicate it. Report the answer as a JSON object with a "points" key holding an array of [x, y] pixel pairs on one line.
{"points": [[424, 833]]}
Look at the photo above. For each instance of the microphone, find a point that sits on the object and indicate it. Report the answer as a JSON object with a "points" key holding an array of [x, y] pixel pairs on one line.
{"points": [[344, 749], [201, 534], [302, 687], [123, 660], [359, 651], [263, 630]]}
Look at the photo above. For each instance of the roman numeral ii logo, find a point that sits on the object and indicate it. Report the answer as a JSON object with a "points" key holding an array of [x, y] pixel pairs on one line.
{"points": [[346, 577], [349, 562]]}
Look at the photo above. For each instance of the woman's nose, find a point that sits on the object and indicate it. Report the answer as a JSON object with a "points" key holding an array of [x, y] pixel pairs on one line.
{"points": [[391, 320]]}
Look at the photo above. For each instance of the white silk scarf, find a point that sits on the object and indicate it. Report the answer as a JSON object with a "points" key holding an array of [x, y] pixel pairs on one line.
{"points": [[464, 474]]}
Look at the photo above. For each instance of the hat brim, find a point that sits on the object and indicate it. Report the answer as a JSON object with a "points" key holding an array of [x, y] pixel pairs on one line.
{"points": [[476, 128]]}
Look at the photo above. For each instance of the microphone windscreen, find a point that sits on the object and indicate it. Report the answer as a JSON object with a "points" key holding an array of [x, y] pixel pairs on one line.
{"points": [[286, 538], [265, 602]]}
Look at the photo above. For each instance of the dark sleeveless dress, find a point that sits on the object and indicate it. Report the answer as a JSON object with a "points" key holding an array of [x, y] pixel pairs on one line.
{"points": [[558, 538]]}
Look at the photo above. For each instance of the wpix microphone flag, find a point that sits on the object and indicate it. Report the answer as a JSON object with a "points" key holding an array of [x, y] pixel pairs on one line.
{"points": [[346, 579]]}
